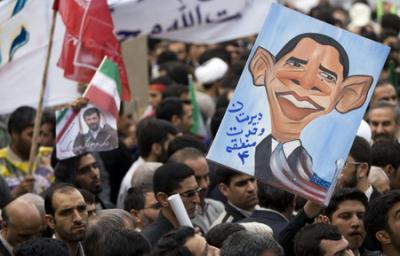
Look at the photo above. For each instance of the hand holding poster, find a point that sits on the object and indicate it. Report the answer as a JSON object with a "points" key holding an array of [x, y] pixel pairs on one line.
{"points": [[94, 127], [298, 104]]}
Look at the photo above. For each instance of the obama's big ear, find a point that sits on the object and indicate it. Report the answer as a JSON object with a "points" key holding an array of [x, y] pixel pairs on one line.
{"points": [[261, 65], [354, 92]]}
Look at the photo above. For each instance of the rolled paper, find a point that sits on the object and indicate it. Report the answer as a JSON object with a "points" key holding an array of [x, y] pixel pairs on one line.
{"points": [[180, 211]]}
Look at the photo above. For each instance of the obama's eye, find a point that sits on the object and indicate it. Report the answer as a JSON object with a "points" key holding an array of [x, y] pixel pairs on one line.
{"points": [[328, 77], [294, 63]]}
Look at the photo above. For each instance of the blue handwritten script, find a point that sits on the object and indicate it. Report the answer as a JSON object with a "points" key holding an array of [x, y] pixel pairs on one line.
{"points": [[243, 132]]}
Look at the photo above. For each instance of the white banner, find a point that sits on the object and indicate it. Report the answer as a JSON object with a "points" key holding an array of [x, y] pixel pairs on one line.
{"points": [[24, 32], [200, 21]]}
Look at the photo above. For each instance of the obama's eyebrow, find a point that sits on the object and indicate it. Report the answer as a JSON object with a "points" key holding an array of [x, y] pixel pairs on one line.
{"points": [[301, 61], [328, 71]]}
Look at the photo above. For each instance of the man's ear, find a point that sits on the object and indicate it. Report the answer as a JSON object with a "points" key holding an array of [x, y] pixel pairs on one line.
{"points": [[136, 216], [383, 237], [354, 92], [162, 198], [156, 149], [362, 170], [389, 170], [223, 188], [261, 66], [50, 221]]}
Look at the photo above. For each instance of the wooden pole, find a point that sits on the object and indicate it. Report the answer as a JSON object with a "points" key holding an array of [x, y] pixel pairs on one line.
{"points": [[38, 117]]}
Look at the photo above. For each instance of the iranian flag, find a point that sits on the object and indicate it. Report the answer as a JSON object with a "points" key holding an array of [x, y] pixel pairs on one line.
{"points": [[74, 135]]}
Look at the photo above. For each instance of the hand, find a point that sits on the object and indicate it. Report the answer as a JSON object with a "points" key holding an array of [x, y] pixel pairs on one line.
{"points": [[25, 186], [322, 219], [312, 209], [79, 103]]}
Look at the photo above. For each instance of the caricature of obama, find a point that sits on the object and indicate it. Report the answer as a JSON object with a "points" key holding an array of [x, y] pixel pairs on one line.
{"points": [[308, 78]]}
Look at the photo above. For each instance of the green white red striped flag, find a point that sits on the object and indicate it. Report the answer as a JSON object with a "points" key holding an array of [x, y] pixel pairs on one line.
{"points": [[94, 127], [198, 128]]}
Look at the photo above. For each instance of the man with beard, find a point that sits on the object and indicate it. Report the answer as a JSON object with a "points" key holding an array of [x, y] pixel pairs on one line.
{"points": [[83, 172], [356, 168], [98, 138], [209, 209], [66, 214], [153, 137], [382, 119]]}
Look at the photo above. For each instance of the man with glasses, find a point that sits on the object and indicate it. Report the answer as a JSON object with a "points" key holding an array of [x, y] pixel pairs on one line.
{"points": [[356, 169], [169, 179]]}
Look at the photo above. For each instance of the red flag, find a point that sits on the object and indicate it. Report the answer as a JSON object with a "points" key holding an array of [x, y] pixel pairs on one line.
{"points": [[88, 38]]}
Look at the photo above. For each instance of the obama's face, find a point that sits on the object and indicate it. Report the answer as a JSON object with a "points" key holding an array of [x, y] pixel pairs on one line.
{"points": [[305, 85]]}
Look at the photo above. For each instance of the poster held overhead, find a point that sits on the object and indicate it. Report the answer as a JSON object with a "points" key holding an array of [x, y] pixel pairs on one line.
{"points": [[298, 104]]}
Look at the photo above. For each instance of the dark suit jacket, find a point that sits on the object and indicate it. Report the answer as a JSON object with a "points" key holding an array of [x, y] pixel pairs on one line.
{"points": [[3, 250], [270, 218], [106, 138], [157, 229]]}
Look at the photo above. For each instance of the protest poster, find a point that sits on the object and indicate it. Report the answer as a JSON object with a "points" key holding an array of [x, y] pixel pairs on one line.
{"points": [[298, 104], [94, 127]]}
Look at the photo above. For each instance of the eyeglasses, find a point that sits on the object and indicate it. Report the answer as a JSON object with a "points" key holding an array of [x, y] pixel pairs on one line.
{"points": [[191, 193]]}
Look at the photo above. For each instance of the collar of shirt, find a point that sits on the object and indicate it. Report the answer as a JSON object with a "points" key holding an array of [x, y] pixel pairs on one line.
{"points": [[288, 147], [245, 213], [94, 133], [6, 244], [79, 250], [368, 192]]}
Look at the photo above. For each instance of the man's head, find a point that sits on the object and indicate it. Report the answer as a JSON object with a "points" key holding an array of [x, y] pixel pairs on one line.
{"points": [[346, 211], [48, 128], [15, 227], [66, 212], [20, 129], [143, 207], [176, 178], [153, 137], [219, 233], [250, 243], [384, 91], [184, 241], [90, 200], [320, 240], [81, 171], [275, 199], [197, 161], [382, 221], [92, 118], [356, 168], [42, 247], [239, 189], [177, 112], [124, 242], [382, 119], [385, 154], [308, 78]]}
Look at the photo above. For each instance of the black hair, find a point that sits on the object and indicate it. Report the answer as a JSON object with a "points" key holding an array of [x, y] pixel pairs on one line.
{"points": [[274, 198], [166, 56], [167, 178], [225, 175], [124, 242], [217, 52], [177, 71], [169, 107], [386, 151], [66, 169], [173, 243], [219, 233], [91, 111], [361, 151], [321, 39], [41, 247], [308, 239], [376, 216], [185, 141], [175, 90], [216, 120], [88, 196], [22, 118], [342, 195], [135, 199], [49, 193], [150, 131]]}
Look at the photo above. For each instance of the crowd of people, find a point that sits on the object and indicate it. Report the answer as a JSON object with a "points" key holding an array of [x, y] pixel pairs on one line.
{"points": [[116, 202]]}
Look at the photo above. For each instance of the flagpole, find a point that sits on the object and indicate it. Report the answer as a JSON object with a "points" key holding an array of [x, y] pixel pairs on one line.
{"points": [[38, 117]]}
